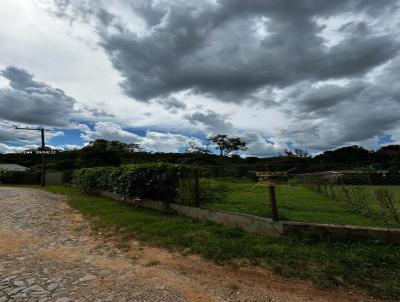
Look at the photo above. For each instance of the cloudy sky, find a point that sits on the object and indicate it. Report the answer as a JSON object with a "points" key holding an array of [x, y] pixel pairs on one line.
{"points": [[310, 74]]}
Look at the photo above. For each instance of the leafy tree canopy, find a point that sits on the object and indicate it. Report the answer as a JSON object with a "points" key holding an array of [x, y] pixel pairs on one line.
{"points": [[226, 145]]}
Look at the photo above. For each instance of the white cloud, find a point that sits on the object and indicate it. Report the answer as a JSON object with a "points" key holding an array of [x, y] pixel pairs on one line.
{"points": [[4, 148], [109, 131], [166, 142], [260, 146], [8, 133], [152, 141]]}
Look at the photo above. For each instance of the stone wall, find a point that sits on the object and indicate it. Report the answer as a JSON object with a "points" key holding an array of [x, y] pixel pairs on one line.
{"points": [[253, 224]]}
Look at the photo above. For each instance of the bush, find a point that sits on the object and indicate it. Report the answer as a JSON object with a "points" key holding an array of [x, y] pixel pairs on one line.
{"points": [[153, 181], [19, 177], [67, 176]]}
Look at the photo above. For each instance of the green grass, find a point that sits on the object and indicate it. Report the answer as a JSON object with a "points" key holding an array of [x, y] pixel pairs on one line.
{"points": [[371, 267], [296, 203]]}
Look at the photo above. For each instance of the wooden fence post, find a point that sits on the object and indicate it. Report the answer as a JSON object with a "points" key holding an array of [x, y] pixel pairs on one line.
{"points": [[272, 199], [196, 189]]}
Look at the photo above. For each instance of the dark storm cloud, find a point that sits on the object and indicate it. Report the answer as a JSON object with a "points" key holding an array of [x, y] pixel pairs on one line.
{"points": [[172, 104], [278, 52], [19, 78], [356, 55], [213, 122], [203, 51], [97, 112], [151, 13], [32, 102], [211, 48], [332, 115], [319, 100]]}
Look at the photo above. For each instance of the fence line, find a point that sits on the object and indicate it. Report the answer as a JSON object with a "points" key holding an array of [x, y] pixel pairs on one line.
{"points": [[267, 226], [371, 194]]}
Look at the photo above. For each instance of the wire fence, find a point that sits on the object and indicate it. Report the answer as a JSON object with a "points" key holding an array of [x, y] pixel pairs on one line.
{"points": [[354, 197], [371, 194]]}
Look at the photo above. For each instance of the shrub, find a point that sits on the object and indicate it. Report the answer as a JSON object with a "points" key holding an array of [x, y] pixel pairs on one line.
{"points": [[68, 176], [19, 177], [153, 181]]}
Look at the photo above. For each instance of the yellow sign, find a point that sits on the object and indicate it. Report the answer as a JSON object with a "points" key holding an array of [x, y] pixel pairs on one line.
{"points": [[271, 174], [265, 183], [271, 178]]}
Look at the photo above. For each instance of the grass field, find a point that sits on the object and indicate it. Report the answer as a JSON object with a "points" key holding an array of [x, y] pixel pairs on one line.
{"points": [[295, 202], [371, 267]]}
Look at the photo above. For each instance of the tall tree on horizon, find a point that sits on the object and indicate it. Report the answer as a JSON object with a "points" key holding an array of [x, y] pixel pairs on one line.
{"points": [[226, 145]]}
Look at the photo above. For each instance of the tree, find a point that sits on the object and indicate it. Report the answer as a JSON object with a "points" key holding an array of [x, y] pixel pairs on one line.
{"points": [[135, 148], [388, 155], [102, 153], [226, 144], [194, 147], [297, 153], [117, 147], [350, 155]]}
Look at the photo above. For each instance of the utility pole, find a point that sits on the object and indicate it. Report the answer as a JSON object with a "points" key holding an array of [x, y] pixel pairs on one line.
{"points": [[43, 174]]}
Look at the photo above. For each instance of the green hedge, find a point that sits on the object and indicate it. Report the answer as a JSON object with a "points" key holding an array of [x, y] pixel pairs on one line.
{"points": [[19, 177], [153, 181]]}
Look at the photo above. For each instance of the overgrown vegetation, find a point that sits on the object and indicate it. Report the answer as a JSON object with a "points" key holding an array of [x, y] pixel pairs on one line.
{"points": [[19, 177], [371, 267], [154, 181]]}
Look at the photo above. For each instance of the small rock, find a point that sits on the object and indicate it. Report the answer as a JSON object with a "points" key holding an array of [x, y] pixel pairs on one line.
{"points": [[15, 290], [52, 286], [19, 283], [35, 288], [20, 295], [39, 294], [30, 281], [63, 299], [88, 277], [9, 278]]}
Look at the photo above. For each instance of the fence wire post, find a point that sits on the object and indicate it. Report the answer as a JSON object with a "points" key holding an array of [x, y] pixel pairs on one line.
{"points": [[272, 199], [196, 188]]}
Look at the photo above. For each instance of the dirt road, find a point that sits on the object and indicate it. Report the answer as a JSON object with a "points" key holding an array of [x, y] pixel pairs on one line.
{"points": [[49, 253]]}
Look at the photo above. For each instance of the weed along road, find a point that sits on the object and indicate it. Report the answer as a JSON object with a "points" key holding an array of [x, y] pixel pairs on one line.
{"points": [[49, 252]]}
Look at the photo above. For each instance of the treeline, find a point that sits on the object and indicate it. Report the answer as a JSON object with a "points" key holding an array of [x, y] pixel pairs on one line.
{"points": [[114, 153]]}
